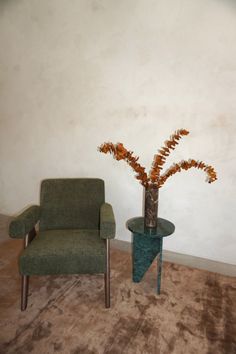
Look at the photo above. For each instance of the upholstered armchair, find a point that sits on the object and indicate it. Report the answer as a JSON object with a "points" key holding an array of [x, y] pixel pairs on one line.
{"points": [[75, 226]]}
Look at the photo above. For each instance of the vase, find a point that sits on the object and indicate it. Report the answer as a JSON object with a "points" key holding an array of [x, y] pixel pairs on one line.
{"points": [[151, 207]]}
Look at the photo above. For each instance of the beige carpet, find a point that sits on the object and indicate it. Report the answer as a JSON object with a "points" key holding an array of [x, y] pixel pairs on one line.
{"points": [[196, 312]]}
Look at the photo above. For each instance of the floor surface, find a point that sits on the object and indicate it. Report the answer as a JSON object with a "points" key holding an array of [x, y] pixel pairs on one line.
{"points": [[195, 313]]}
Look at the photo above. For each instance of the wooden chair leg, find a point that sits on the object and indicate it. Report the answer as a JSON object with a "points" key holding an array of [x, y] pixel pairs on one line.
{"points": [[24, 291], [107, 275], [25, 278]]}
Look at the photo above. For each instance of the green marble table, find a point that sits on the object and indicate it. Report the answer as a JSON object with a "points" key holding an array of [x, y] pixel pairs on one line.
{"points": [[147, 245]]}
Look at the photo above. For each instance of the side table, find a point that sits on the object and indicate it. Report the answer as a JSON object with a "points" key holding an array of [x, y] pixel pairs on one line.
{"points": [[146, 245]]}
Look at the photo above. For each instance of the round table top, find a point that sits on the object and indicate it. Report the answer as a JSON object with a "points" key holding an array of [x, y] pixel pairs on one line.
{"points": [[164, 227]]}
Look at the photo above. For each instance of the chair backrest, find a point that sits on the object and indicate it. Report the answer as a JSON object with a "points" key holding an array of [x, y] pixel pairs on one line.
{"points": [[71, 203]]}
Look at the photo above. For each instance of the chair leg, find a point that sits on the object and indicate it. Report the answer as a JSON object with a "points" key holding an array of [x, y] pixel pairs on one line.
{"points": [[24, 291], [107, 275]]}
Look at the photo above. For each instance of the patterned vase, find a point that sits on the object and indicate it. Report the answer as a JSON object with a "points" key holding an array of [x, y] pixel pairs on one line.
{"points": [[151, 207]]}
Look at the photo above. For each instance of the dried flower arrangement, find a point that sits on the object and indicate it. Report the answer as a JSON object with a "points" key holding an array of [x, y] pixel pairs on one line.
{"points": [[155, 180]]}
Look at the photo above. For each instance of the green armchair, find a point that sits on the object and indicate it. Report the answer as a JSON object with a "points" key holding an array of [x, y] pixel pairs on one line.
{"points": [[75, 227]]}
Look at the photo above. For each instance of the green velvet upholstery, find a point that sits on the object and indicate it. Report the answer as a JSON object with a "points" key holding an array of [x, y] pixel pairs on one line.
{"points": [[64, 252], [74, 222], [71, 203], [107, 221], [25, 222]]}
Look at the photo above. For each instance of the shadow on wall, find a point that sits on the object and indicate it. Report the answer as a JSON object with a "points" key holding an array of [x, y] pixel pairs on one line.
{"points": [[232, 3], [4, 4]]}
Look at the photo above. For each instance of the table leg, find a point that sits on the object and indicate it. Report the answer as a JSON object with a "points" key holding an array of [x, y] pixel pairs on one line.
{"points": [[145, 250], [159, 269]]}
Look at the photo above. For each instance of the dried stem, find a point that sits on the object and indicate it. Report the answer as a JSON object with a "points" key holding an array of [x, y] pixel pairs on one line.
{"points": [[186, 165], [119, 152], [165, 151], [154, 179]]}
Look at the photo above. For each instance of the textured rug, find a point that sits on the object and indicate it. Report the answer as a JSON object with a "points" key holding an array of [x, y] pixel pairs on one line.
{"points": [[195, 313]]}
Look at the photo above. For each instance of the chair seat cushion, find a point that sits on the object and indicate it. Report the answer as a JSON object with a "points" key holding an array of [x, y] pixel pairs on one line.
{"points": [[64, 252]]}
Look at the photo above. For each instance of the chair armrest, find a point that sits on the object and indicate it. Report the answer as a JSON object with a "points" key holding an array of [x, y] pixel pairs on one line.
{"points": [[24, 223], [107, 221]]}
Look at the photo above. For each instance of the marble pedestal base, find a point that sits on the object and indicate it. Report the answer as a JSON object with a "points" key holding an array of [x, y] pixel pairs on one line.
{"points": [[147, 245]]}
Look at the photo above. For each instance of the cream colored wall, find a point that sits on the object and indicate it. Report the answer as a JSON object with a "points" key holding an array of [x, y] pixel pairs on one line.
{"points": [[77, 73]]}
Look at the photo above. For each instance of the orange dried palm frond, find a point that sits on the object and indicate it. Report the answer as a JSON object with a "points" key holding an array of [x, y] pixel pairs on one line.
{"points": [[186, 165], [160, 158], [119, 152]]}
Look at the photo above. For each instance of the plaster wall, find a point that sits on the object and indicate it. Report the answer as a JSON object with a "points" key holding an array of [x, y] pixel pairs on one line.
{"points": [[74, 74]]}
